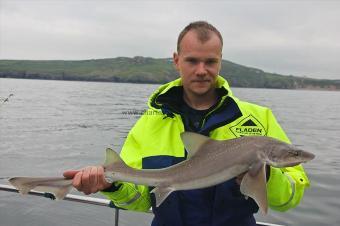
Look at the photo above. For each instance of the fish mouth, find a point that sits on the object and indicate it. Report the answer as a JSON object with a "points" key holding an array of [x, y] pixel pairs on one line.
{"points": [[288, 163]]}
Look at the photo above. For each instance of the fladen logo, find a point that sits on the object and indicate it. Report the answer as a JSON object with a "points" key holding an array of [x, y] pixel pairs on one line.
{"points": [[248, 126]]}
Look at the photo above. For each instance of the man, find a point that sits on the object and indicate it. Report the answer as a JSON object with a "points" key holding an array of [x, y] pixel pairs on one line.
{"points": [[200, 101]]}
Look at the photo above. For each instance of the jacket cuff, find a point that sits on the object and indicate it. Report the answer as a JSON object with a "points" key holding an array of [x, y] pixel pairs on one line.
{"points": [[114, 187], [280, 190]]}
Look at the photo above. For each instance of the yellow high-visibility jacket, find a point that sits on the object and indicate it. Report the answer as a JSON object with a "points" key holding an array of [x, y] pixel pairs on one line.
{"points": [[154, 142]]}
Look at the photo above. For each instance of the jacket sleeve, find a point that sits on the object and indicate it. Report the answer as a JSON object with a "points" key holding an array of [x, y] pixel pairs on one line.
{"points": [[127, 195], [285, 187]]}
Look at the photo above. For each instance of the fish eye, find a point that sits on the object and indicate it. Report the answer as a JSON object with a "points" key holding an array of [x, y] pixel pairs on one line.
{"points": [[295, 153]]}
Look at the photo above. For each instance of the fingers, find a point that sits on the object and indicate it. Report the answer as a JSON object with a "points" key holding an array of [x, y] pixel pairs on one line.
{"points": [[90, 180], [69, 174], [85, 180], [94, 180], [77, 181], [101, 179]]}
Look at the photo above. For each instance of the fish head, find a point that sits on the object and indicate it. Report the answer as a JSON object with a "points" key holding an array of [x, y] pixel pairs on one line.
{"points": [[286, 155]]}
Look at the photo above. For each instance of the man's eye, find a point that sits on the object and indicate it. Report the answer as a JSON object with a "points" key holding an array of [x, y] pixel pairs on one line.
{"points": [[211, 62], [192, 61]]}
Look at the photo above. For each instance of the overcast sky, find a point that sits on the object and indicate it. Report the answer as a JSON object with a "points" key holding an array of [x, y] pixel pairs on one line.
{"points": [[298, 37]]}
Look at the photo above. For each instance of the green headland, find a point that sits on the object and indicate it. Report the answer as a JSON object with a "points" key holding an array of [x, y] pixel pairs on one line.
{"points": [[151, 70]]}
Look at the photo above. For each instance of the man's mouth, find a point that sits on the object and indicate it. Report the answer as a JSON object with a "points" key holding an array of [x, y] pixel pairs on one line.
{"points": [[200, 81]]}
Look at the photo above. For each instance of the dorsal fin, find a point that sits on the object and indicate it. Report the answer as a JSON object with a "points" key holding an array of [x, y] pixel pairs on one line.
{"points": [[111, 157], [192, 142]]}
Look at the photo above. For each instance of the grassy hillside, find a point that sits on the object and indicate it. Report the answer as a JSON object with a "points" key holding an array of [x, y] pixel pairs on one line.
{"points": [[150, 70]]}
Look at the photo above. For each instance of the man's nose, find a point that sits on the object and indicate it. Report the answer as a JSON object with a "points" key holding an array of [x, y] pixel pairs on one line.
{"points": [[201, 69]]}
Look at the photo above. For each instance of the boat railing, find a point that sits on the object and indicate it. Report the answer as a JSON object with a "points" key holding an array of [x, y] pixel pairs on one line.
{"points": [[88, 200]]}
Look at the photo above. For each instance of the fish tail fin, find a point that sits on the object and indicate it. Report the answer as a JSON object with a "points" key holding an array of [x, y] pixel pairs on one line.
{"points": [[22, 184], [59, 187], [161, 193], [112, 157]]}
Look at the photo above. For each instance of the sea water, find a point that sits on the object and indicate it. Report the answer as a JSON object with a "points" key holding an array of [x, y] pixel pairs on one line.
{"points": [[47, 127]]}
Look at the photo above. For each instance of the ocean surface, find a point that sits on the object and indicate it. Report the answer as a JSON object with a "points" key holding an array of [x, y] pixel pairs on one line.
{"points": [[47, 127]]}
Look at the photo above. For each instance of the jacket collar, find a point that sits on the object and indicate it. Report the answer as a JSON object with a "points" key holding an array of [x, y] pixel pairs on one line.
{"points": [[166, 97]]}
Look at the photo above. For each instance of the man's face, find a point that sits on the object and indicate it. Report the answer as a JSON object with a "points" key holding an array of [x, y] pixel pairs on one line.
{"points": [[198, 63]]}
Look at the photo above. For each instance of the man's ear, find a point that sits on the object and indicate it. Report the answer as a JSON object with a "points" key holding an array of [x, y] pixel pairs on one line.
{"points": [[220, 66], [175, 58]]}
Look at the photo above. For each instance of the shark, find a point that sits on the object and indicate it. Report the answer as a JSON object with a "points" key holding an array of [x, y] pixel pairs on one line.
{"points": [[209, 162]]}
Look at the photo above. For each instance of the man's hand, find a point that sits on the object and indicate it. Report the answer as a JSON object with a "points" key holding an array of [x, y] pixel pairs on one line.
{"points": [[88, 180]]}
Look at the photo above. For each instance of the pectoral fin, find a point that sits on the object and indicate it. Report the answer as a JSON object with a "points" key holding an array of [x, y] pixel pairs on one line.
{"points": [[161, 193], [255, 168], [254, 185]]}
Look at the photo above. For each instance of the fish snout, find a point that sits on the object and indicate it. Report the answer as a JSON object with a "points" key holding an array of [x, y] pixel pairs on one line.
{"points": [[307, 156]]}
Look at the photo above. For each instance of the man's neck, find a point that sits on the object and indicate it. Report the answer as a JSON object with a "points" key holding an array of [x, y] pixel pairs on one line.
{"points": [[200, 102]]}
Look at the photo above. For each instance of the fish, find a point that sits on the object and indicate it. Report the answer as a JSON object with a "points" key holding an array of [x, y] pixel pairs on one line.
{"points": [[209, 162]]}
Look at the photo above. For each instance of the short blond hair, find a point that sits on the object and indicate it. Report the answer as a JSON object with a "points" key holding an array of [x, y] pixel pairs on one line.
{"points": [[203, 30]]}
